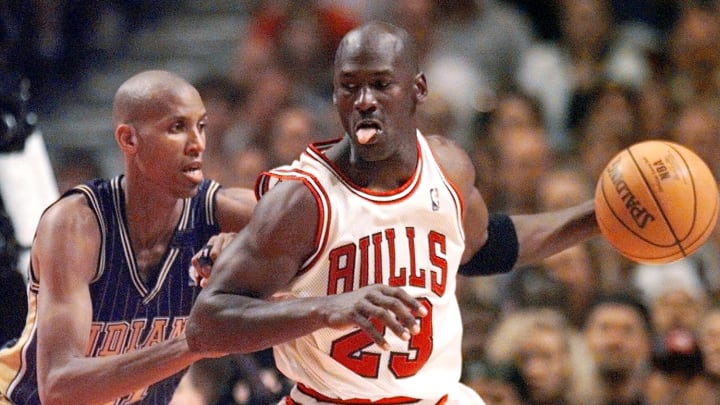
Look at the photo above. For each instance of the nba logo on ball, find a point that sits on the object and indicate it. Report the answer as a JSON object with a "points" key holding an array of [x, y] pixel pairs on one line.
{"points": [[656, 202]]}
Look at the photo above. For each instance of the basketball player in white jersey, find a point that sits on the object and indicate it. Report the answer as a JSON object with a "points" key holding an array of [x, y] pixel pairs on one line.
{"points": [[364, 236]]}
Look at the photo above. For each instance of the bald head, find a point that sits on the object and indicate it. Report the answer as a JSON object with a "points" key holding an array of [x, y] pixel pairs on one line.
{"points": [[377, 36], [146, 94]]}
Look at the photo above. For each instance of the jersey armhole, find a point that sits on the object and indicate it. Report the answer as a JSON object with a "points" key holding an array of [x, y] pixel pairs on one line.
{"points": [[94, 203], [267, 180]]}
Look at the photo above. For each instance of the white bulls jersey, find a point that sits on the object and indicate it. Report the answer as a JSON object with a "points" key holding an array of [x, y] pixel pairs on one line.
{"points": [[410, 237]]}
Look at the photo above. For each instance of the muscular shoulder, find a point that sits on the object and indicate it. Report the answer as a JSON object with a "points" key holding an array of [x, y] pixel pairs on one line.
{"points": [[71, 211], [454, 161], [288, 211], [68, 231]]}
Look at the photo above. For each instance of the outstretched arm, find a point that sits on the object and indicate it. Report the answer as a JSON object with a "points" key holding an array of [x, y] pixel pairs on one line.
{"points": [[235, 311], [497, 244], [64, 256], [544, 234]]}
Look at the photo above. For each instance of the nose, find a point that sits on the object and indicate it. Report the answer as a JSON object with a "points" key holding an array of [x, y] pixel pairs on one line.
{"points": [[195, 142], [365, 100]]}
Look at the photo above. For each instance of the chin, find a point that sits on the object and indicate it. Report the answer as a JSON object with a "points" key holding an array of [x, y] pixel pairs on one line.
{"points": [[187, 192]]}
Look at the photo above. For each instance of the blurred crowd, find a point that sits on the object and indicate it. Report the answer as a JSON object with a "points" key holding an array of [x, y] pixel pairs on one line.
{"points": [[541, 94]]}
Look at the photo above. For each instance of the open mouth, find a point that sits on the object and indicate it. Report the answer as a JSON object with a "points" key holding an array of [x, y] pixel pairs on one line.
{"points": [[367, 131], [193, 170]]}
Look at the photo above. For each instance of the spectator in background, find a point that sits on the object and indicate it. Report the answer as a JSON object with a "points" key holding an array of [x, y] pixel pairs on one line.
{"points": [[304, 34], [512, 110], [694, 56], [553, 363], [617, 331], [697, 126], [524, 155], [54, 42], [245, 165], [473, 54], [655, 109], [497, 385], [292, 130], [564, 74], [285, 40], [705, 388], [563, 186], [222, 97], [676, 298], [470, 49], [610, 118], [674, 293], [575, 269]]}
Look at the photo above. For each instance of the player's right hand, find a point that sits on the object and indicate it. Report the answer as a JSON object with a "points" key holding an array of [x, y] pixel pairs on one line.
{"points": [[391, 307]]}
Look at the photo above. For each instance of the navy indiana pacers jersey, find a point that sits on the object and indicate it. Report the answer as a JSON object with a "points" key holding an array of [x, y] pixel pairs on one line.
{"points": [[128, 314]]}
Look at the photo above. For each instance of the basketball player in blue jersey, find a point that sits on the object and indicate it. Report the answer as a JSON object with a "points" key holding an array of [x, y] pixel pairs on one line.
{"points": [[110, 288], [363, 237]]}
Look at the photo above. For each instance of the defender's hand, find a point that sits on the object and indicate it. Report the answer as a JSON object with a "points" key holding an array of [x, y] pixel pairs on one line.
{"points": [[203, 260]]}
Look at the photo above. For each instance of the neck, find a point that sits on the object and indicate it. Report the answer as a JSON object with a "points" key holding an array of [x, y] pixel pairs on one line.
{"points": [[384, 174], [151, 215]]}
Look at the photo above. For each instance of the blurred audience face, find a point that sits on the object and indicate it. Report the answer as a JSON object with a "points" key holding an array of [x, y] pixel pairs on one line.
{"points": [[676, 309], [513, 111], [524, 156], [617, 337], [543, 361], [699, 129], [563, 188], [293, 129], [254, 55], [694, 42], [585, 24], [495, 391], [610, 126], [247, 164], [573, 267]]}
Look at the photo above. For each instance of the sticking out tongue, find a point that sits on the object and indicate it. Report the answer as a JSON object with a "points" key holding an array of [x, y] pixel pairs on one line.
{"points": [[365, 135]]}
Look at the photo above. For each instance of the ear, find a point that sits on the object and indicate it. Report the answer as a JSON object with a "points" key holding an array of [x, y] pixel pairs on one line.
{"points": [[126, 138], [420, 87]]}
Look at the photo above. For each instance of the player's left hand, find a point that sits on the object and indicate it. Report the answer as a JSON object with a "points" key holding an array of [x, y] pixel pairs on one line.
{"points": [[203, 260]]}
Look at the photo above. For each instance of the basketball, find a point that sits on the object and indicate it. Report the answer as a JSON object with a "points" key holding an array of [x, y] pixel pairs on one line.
{"points": [[656, 202]]}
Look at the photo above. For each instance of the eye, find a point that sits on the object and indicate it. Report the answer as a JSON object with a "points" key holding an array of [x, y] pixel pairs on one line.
{"points": [[348, 86], [381, 84], [177, 126], [202, 125]]}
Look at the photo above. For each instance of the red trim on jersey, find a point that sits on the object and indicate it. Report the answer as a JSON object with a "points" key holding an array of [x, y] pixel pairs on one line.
{"points": [[287, 173], [385, 401], [316, 152]]}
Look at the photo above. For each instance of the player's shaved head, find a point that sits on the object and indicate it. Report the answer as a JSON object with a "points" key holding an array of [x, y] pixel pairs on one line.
{"points": [[379, 37], [146, 94]]}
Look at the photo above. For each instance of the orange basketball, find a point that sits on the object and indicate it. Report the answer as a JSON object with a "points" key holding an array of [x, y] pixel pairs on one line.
{"points": [[656, 202]]}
